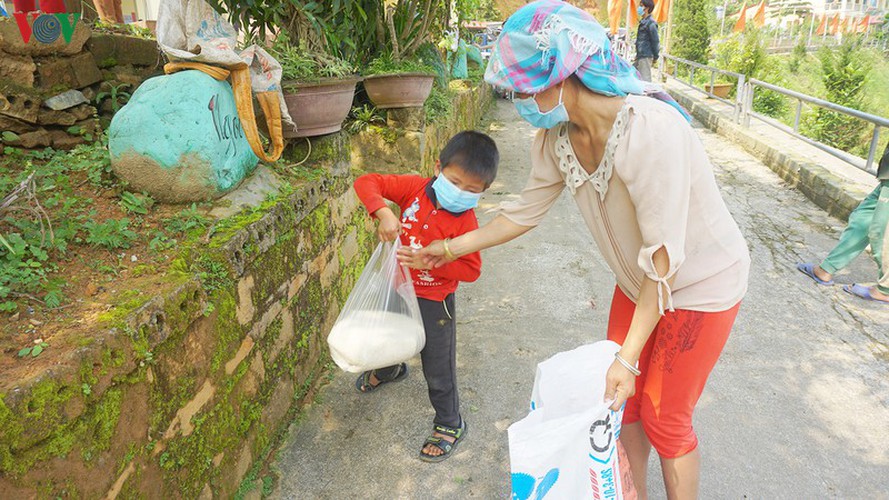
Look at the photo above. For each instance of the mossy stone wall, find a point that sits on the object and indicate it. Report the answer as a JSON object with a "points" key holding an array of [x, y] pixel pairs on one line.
{"points": [[182, 389]]}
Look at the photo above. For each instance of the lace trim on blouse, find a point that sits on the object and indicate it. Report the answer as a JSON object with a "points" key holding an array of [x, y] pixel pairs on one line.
{"points": [[574, 173]]}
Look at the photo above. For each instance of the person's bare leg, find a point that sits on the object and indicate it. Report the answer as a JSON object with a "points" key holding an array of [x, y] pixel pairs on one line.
{"points": [[682, 475], [822, 274], [118, 12], [877, 294], [637, 446]]}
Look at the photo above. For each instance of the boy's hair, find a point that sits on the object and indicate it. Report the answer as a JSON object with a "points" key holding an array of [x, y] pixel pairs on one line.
{"points": [[648, 4], [473, 151]]}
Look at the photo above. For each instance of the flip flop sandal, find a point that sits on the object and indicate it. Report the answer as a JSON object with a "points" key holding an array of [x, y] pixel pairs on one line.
{"points": [[862, 292], [447, 448], [809, 270], [362, 383]]}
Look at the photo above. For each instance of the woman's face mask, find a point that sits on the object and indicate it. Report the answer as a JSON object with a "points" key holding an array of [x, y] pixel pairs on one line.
{"points": [[452, 198], [530, 111]]}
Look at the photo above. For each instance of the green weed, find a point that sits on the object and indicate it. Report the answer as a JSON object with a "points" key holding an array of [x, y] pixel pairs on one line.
{"points": [[33, 350], [136, 203], [186, 220], [111, 234]]}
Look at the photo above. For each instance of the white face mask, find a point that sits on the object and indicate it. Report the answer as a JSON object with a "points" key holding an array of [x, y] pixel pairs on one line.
{"points": [[530, 111]]}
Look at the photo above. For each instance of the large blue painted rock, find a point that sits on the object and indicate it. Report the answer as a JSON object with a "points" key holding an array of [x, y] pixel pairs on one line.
{"points": [[179, 139]]}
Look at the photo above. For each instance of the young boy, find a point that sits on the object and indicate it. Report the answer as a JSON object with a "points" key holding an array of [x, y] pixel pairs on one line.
{"points": [[434, 209]]}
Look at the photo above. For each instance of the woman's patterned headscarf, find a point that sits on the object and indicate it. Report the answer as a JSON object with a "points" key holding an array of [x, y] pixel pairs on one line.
{"points": [[547, 41]]}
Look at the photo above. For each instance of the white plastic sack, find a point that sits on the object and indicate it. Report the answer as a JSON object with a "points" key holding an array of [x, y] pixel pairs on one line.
{"points": [[567, 446], [190, 30], [380, 325]]}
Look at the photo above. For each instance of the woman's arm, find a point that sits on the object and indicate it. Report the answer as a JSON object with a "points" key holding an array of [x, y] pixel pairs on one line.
{"points": [[620, 383], [498, 231]]}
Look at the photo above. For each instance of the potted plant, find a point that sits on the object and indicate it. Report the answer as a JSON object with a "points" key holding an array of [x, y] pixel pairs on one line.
{"points": [[317, 44], [720, 89], [318, 88], [398, 77]]}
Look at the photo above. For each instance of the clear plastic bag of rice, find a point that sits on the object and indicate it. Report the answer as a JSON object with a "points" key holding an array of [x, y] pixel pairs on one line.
{"points": [[380, 325]]}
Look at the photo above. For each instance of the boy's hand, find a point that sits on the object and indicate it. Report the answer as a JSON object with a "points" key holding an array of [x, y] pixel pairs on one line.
{"points": [[410, 257], [389, 227]]}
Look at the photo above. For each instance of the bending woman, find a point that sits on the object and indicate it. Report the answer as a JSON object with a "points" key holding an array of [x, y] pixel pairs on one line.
{"points": [[645, 187]]}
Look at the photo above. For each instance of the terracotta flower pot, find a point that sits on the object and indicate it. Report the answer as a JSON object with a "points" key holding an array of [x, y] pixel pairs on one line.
{"points": [[318, 108], [402, 90], [720, 89]]}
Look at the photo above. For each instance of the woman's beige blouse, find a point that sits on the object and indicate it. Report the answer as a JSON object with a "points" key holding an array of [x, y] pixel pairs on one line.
{"points": [[654, 188]]}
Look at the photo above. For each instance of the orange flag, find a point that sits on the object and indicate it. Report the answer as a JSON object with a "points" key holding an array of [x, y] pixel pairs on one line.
{"points": [[863, 25], [661, 11], [821, 26], [759, 18], [742, 20], [634, 17], [614, 8], [834, 24]]}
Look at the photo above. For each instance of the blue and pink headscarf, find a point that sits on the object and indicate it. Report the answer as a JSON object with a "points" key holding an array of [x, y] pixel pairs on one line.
{"points": [[547, 41]]}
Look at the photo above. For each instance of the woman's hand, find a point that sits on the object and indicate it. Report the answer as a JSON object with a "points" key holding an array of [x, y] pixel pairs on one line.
{"points": [[620, 385], [433, 255], [410, 257], [389, 227]]}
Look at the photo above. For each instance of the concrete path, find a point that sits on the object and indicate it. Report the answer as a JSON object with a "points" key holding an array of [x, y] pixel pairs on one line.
{"points": [[798, 406]]}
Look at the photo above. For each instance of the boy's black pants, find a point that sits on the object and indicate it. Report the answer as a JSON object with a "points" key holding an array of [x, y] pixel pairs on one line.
{"points": [[439, 358]]}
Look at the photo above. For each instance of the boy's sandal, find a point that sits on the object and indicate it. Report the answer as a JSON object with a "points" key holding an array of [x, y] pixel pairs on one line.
{"points": [[447, 448], [362, 383]]}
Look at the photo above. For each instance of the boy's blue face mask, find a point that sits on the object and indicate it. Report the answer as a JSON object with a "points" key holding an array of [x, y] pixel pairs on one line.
{"points": [[640, 10], [530, 111], [452, 198]]}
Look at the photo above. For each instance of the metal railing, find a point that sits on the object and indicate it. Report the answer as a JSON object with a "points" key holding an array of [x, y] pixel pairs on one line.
{"points": [[743, 109], [693, 67], [877, 122]]}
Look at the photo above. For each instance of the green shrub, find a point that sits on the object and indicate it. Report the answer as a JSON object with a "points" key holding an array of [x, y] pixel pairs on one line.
{"points": [[692, 30], [746, 54], [844, 73], [797, 56], [387, 64], [301, 64]]}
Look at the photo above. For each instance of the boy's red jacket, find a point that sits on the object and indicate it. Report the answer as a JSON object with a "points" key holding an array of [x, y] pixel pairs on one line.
{"points": [[422, 223]]}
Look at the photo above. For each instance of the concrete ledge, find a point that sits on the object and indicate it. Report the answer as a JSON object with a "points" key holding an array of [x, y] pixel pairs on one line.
{"points": [[829, 191]]}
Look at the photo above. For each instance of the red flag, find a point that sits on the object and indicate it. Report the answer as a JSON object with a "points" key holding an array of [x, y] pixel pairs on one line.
{"points": [[759, 18], [834, 24], [634, 16], [742, 19], [821, 26], [614, 7], [661, 11]]}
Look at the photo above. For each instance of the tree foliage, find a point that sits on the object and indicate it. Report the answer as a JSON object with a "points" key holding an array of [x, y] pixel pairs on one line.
{"points": [[844, 72], [691, 35]]}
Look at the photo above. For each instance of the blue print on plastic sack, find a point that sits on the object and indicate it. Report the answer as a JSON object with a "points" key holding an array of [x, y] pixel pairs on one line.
{"points": [[566, 446], [523, 485]]}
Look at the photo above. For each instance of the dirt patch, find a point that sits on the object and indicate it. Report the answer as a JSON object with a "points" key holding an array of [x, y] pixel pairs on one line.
{"points": [[95, 281]]}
